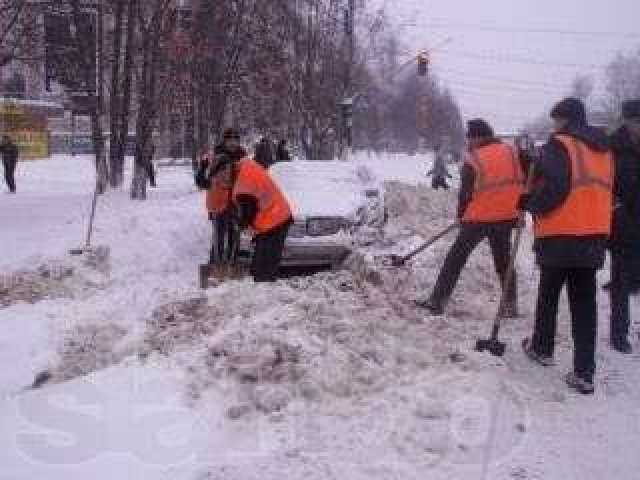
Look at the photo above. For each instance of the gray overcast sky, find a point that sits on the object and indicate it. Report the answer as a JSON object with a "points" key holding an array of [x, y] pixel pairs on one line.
{"points": [[480, 65]]}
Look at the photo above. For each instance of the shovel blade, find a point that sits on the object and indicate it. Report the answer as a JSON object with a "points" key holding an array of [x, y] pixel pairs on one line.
{"points": [[210, 274], [493, 346], [397, 260]]}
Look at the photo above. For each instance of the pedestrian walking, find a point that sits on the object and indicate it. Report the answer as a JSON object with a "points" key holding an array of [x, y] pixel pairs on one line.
{"points": [[439, 173], [10, 154]]}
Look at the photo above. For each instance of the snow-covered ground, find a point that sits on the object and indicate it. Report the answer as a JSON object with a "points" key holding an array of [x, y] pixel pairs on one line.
{"points": [[331, 376]]}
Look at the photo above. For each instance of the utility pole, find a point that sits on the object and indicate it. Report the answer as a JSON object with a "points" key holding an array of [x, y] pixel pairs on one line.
{"points": [[347, 102], [100, 55]]}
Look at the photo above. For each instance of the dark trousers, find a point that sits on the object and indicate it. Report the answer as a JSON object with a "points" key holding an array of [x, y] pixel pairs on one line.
{"points": [[9, 174], [624, 271], [268, 254], [224, 242], [581, 288], [439, 182], [470, 236], [151, 173]]}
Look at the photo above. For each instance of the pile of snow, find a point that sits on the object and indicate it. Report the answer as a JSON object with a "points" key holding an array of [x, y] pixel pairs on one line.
{"points": [[337, 374], [79, 276]]}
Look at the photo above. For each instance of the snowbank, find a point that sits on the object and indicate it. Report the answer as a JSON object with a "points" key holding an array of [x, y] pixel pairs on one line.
{"points": [[333, 375]]}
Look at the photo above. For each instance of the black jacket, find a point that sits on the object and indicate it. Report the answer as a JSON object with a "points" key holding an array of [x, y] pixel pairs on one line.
{"points": [[9, 153], [282, 154], [264, 153], [553, 168], [223, 158], [625, 234], [246, 207]]}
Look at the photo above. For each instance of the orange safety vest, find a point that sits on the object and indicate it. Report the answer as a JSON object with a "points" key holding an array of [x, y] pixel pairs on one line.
{"points": [[218, 195], [273, 208], [499, 182], [588, 208]]}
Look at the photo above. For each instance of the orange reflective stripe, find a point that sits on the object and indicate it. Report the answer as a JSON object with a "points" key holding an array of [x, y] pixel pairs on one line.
{"points": [[583, 177]]}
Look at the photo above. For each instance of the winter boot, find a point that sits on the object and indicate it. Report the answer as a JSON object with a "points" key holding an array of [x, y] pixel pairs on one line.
{"points": [[579, 384], [621, 344], [544, 360]]}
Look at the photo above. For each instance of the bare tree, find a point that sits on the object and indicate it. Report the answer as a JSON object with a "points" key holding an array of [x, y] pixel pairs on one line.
{"points": [[582, 87], [121, 85], [623, 81], [154, 26]]}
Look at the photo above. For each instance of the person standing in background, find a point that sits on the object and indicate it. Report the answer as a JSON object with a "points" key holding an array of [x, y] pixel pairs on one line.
{"points": [[624, 242], [282, 152], [439, 172], [10, 154], [264, 153]]}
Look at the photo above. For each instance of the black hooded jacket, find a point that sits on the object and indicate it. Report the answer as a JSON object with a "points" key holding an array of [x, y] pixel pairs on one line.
{"points": [[554, 169], [223, 158], [625, 235]]}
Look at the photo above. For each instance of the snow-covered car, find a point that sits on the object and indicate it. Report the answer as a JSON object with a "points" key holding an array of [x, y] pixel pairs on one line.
{"points": [[332, 201]]}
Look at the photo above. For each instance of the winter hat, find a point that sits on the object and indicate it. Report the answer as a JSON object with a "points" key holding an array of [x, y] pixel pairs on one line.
{"points": [[631, 110], [479, 128], [571, 109], [231, 133]]}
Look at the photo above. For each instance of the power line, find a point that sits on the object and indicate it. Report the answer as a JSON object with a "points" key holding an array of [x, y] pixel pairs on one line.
{"points": [[504, 85], [518, 59], [504, 98], [496, 29], [469, 74]]}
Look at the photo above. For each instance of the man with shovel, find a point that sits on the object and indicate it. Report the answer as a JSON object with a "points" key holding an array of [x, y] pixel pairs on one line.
{"points": [[571, 206], [492, 181]]}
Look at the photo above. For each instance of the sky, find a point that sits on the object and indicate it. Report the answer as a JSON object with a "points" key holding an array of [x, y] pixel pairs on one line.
{"points": [[510, 60]]}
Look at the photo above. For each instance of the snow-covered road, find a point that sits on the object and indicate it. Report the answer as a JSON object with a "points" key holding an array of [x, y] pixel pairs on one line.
{"points": [[328, 376]]}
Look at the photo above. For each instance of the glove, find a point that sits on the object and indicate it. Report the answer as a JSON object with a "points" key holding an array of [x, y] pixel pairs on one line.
{"points": [[523, 201]]}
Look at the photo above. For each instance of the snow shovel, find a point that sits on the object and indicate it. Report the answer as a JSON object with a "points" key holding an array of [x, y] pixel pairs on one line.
{"points": [[87, 248], [400, 260], [229, 269], [493, 345], [214, 274]]}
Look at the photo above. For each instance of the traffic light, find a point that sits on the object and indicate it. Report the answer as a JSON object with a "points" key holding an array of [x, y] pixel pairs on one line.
{"points": [[423, 64]]}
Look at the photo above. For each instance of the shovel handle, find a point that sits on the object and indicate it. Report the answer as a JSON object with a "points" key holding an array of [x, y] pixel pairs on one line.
{"points": [[428, 243], [508, 278]]}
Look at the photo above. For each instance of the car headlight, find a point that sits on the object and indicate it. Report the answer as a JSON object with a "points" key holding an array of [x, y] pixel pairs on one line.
{"points": [[323, 226]]}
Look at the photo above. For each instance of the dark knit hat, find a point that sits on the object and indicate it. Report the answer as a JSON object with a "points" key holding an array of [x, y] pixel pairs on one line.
{"points": [[631, 110], [571, 109], [231, 133], [479, 128]]}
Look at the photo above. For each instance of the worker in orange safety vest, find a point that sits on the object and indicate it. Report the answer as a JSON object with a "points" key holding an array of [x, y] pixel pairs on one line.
{"points": [[259, 206], [492, 181], [215, 175], [572, 209]]}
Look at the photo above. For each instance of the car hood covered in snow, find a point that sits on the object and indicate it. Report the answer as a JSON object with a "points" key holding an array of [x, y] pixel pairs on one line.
{"points": [[322, 188]]}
